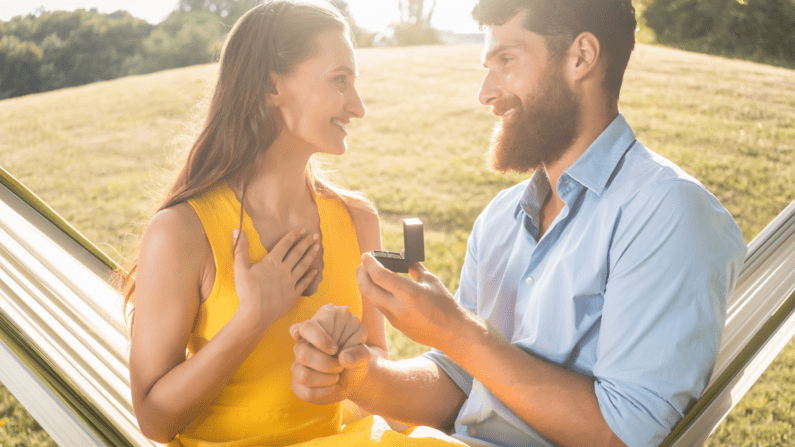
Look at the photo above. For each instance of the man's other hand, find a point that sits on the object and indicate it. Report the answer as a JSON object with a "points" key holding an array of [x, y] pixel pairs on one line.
{"points": [[330, 355], [421, 308]]}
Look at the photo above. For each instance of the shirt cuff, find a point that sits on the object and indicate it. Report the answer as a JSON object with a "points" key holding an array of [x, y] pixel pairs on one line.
{"points": [[458, 374]]}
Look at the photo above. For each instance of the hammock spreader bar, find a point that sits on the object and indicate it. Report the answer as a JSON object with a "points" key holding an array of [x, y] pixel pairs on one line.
{"points": [[52, 222]]}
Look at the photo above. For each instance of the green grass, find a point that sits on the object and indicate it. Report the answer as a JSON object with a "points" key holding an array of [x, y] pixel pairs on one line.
{"points": [[99, 153]]}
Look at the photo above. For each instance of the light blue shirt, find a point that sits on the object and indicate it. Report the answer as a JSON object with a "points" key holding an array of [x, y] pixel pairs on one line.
{"points": [[628, 287]]}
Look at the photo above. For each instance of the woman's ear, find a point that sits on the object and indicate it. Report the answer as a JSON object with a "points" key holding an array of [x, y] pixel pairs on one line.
{"points": [[274, 97], [585, 52]]}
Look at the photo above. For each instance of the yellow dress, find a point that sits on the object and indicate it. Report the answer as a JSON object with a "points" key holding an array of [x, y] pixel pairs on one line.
{"points": [[258, 407]]}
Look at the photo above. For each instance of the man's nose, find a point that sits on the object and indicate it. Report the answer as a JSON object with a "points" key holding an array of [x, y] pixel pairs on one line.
{"points": [[489, 92]]}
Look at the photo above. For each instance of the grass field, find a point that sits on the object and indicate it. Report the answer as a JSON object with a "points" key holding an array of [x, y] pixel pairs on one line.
{"points": [[98, 153]]}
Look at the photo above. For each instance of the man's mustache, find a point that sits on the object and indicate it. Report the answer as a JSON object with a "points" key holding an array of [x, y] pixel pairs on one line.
{"points": [[500, 108]]}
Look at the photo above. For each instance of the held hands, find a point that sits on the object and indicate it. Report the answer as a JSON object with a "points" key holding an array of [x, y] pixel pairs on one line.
{"points": [[423, 309], [268, 289], [330, 355]]}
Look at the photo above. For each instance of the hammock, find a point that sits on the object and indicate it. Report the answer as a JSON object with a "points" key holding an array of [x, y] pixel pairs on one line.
{"points": [[63, 343]]}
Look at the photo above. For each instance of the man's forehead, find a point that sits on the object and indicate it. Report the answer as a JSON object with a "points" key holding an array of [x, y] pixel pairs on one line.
{"points": [[500, 42], [511, 34]]}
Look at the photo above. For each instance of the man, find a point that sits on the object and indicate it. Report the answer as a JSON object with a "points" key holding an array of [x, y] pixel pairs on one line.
{"points": [[593, 295]]}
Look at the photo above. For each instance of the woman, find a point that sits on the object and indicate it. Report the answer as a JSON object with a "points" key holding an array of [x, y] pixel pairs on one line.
{"points": [[251, 240]]}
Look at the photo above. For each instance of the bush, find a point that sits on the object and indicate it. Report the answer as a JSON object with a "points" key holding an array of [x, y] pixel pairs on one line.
{"points": [[761, 30], [19, 67], [72, 48], [415, 34], [183, 39]]}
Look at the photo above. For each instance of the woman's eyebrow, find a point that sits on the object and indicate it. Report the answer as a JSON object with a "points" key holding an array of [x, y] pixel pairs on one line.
{"points": [[346, 69]]}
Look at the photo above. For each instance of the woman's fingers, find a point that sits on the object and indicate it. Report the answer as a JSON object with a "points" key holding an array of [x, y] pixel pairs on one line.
{"points": [[281, 248], [310, 377], [353, 333], [310, 356], [304, 282], [240, 255], [296, 253], [302, 266], [312, 332]]}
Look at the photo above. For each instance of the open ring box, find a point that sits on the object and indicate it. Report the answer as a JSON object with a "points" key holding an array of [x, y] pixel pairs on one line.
{"points": [[414, 248]]}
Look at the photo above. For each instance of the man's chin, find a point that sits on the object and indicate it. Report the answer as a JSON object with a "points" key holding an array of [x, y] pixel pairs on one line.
{"points": [[508, 153], [498, 161]]}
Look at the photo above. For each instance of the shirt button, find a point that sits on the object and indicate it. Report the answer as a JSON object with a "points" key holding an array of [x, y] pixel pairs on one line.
{"points": [[473, 432], [529, 281]]}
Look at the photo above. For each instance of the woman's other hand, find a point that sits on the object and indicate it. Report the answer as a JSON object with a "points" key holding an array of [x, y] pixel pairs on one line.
{"points": [[268, 289], [330, 355]]}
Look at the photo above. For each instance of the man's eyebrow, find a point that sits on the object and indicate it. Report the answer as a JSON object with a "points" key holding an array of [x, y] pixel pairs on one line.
{"points": [[502, 47]]}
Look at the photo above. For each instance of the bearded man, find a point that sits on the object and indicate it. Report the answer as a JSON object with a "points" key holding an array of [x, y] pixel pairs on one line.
{"points": [[593, 295]]}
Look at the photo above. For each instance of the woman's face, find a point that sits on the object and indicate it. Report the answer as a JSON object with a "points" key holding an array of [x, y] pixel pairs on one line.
{"points": [[319, 98]]}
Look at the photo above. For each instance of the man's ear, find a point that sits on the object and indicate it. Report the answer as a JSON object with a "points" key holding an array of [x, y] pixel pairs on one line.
{"points": [[585, 52]]}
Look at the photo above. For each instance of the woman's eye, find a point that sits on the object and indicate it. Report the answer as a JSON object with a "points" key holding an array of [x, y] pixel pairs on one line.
{"points": [[341, 79]]}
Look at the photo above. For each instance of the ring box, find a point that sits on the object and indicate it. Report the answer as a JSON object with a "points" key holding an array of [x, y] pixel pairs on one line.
{"points": [[414, 248]]}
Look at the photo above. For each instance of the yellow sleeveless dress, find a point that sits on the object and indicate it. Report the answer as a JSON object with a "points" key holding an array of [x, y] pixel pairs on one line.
{"points": [[258, 407]]}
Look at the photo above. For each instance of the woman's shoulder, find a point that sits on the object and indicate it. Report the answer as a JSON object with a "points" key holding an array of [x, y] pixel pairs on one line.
{"points": [[366, 222], [176, 229]]}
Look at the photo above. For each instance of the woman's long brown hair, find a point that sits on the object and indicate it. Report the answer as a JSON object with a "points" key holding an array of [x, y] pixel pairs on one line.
{"points": [[273, 37]]}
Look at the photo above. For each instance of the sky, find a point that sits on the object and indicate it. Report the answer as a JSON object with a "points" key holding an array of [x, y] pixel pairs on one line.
{"points": [[374, 15]]}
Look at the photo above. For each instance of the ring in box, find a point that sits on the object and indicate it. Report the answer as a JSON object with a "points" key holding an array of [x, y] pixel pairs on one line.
{"points": [[414, 248]]}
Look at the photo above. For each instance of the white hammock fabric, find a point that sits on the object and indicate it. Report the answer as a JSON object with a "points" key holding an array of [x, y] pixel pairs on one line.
{"points": [[62, 330], [64, 349]]}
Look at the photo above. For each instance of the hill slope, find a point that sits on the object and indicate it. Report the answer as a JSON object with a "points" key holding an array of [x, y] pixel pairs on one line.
{"points": [[99, 153]]}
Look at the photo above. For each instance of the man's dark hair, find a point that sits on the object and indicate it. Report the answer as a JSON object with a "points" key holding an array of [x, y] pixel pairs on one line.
{"points": [[561, 21]]}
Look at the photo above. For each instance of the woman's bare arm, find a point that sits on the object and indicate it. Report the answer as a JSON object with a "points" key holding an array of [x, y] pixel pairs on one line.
{"points": [[368, 231], [169, 390]]}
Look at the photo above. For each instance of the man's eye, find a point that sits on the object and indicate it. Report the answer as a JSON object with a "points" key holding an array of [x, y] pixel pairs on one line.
{"points": [[505, 59]]}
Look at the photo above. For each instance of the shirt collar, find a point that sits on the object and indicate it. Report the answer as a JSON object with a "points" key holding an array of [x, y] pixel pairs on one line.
{"points": [[593, 169], [534, 197], [596, 165]]}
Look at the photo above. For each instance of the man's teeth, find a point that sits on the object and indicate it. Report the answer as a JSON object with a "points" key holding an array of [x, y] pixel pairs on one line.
{"points": [[338, 123]]}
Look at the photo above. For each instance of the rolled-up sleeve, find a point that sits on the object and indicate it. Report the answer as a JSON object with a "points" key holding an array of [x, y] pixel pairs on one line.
{"points": [[466, 296], [674, 258]]}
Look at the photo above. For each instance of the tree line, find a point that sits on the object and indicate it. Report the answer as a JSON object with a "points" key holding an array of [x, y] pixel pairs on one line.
{"points": [[52, 50], [64, 49], [57, 49], [759, 30]]}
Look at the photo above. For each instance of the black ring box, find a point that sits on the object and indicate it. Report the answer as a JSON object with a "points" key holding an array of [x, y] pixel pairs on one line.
{"points": [[414, 248]]}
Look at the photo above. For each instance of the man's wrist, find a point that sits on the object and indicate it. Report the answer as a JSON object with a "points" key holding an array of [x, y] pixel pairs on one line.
{"points": [[366, 388], [462, 333]]}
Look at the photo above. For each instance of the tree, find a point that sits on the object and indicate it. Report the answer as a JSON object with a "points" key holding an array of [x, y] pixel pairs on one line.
{"points": [[754, 29], [81, 47], [415, 23], [19, 67], [183, 39], [228, 10], [363, 37], [413, 12], [63, 49]]}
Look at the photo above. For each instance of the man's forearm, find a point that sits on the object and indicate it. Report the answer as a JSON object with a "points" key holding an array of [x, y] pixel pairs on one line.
{"points": [[560, 404], [413, 392]]}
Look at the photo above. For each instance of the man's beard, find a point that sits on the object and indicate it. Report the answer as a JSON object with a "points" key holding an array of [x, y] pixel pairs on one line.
{"points": [[539, 131]]}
